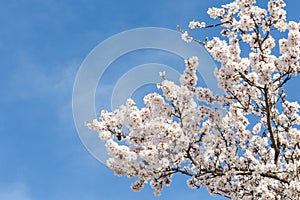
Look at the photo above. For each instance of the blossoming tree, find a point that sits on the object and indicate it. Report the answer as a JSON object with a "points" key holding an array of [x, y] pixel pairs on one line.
{"points": [[248, 147]]}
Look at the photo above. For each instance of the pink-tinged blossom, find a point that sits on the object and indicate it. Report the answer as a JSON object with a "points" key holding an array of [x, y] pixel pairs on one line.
{"points": [[243, 144]]}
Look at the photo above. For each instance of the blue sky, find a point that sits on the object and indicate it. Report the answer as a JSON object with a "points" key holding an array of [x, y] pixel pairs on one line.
{"points": [[42, 44]]}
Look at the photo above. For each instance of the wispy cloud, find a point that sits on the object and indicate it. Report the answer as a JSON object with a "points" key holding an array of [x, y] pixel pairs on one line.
{"points": [[15, 191], [30, 80]]}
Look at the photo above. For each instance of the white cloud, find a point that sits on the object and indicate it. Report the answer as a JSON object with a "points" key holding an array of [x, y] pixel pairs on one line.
{"points": [[32, 83], [29, 81], [16, 191]]}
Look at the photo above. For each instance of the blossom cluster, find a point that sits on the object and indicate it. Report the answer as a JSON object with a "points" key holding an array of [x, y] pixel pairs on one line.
{"points": [[248, 147]]}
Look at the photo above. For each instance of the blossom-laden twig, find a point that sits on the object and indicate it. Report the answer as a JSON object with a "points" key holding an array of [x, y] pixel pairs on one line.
{"points": [[250, 151]]}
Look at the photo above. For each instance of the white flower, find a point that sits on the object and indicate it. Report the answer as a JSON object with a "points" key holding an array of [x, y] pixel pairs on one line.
{"points": [[215, 12], [185, 37], [162, 74], [164, 162], [246, 23], [256, 128], [195, 24]]}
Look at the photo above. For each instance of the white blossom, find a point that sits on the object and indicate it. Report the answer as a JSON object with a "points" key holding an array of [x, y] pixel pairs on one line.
{"points": [[185, 37], [243, 144], [195, 24]]}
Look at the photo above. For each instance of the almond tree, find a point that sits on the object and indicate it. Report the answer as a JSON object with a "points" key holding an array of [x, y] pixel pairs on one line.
{"points": [[245, 148]]}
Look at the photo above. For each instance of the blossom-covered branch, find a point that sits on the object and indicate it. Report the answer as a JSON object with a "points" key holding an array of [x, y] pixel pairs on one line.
{"points": [[248, 147]]}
